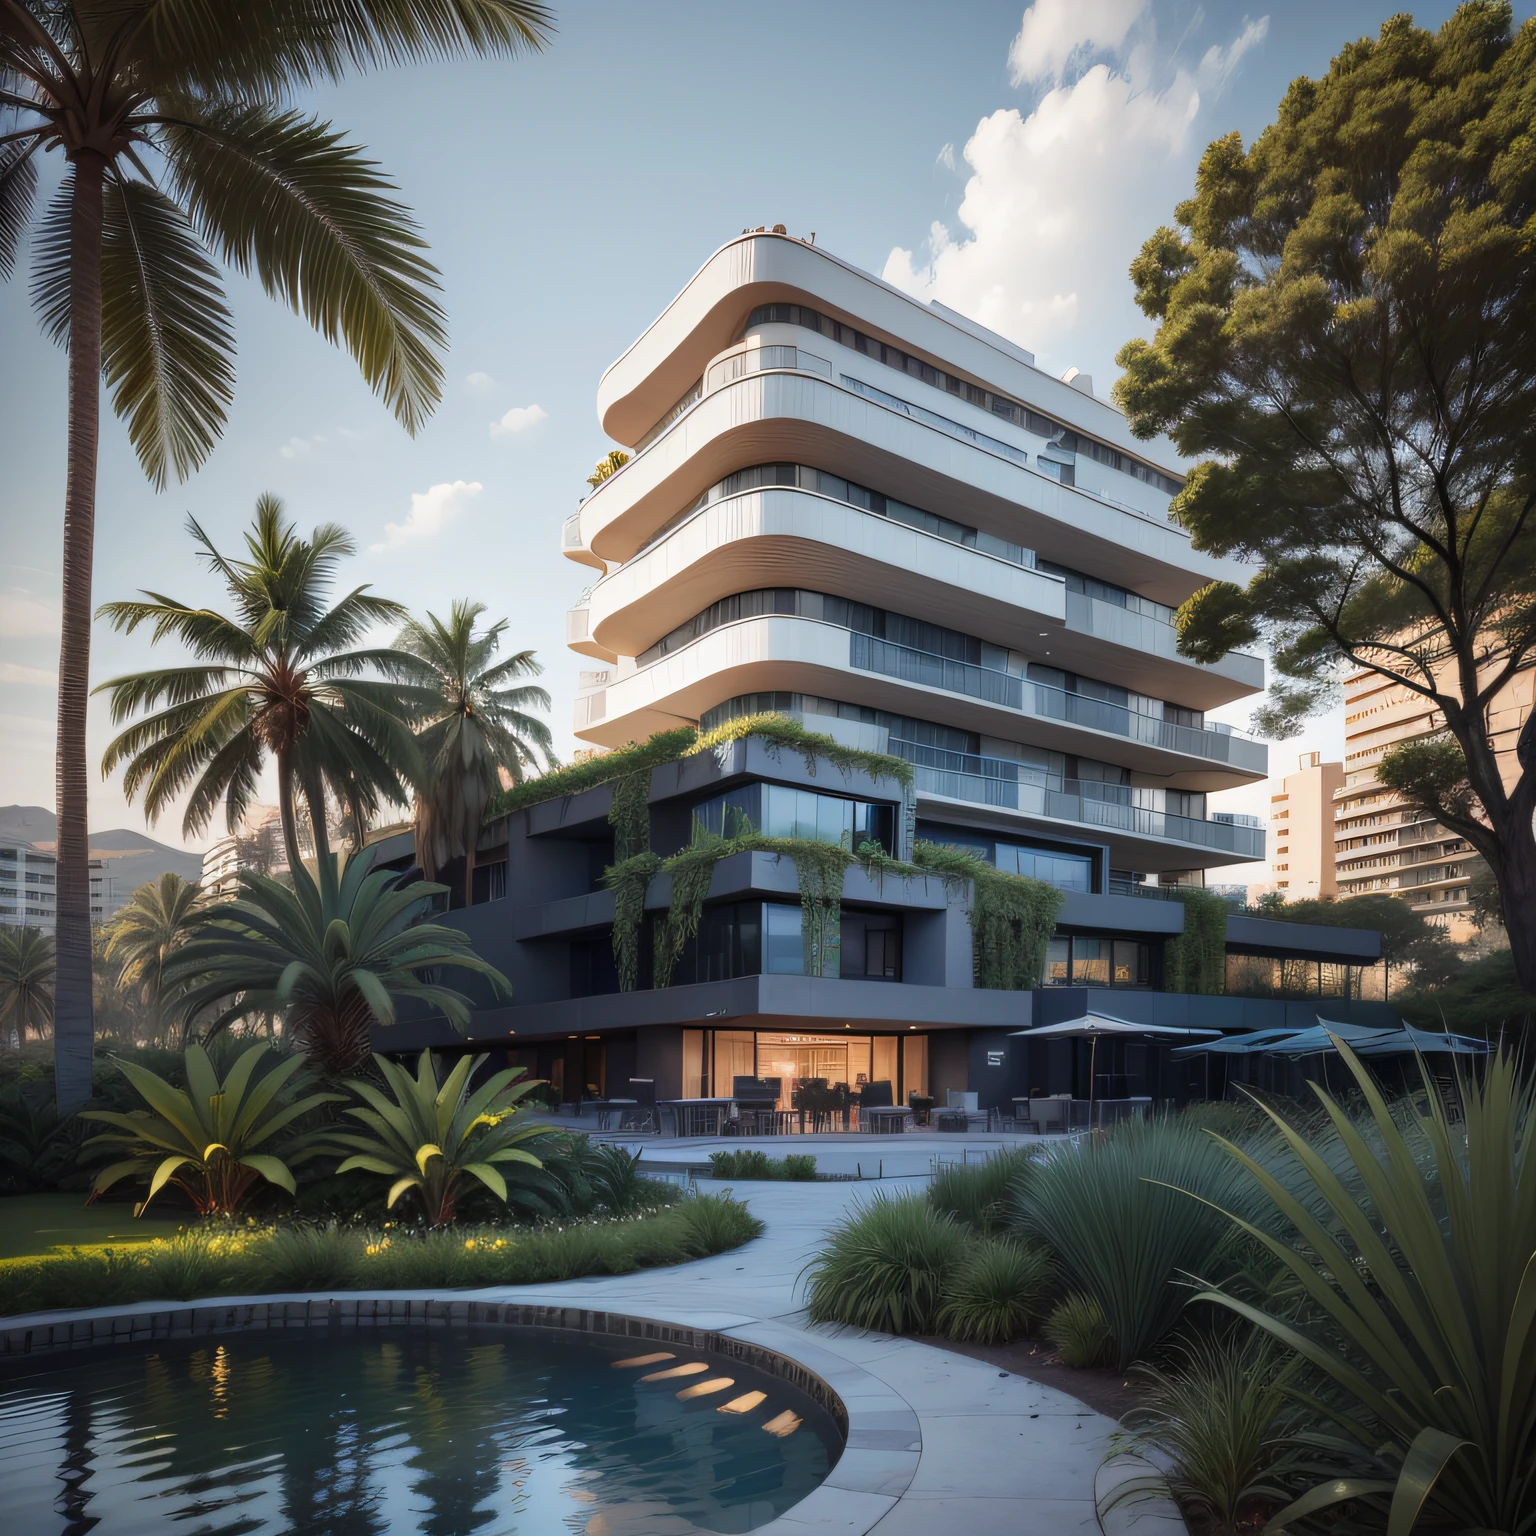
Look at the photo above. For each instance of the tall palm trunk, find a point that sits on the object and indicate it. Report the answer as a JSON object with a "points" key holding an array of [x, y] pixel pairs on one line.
{"points": [[73, 1024]]}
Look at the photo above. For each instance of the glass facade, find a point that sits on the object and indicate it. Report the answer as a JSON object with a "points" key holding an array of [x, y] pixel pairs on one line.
{"points": [[781, 810], [1097, 960], [806, 1066], [1065, 437], [1066, 870]]}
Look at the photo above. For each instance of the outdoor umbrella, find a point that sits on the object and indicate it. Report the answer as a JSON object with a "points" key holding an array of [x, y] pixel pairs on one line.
{"points": [[1094, 1025]]}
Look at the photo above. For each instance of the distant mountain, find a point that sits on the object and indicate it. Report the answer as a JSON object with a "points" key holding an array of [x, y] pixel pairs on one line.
{"points": [[130, 858]]}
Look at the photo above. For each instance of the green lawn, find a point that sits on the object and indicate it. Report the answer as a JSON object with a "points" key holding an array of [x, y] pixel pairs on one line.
{"points": [[38, 1224]]}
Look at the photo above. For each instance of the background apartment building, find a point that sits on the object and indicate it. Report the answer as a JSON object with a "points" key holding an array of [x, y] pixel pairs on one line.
{"points": [[29, 884], [1383, 845], [1301, 831]]}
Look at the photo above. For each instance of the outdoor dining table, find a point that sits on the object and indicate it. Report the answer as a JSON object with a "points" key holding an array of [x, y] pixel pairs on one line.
{"points": [[700, 1117], [884, 1119], [608, 1108]]}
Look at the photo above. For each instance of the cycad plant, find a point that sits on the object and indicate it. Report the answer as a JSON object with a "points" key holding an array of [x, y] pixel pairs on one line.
{"points": [[282, 676], [26, 983], [435, 1139], [472, 720], [1418, 1275], [332, 954], [206, 1138], [159, 918], [180, 148]]}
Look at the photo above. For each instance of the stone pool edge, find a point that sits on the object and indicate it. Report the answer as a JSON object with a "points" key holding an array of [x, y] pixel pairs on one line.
{"points": [[881, 1436]]}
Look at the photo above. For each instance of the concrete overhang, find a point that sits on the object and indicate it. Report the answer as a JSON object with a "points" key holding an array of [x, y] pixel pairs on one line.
{"points": [[785, 417], [1303, 941]]}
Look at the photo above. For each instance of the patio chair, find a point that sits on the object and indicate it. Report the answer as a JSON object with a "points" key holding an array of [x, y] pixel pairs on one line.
{"points": [[1047, 1115], [643, 1116]]}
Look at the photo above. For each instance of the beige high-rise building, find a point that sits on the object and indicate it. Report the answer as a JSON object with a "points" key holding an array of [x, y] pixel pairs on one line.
{"points": [[1382, 844], [1301, 830]]}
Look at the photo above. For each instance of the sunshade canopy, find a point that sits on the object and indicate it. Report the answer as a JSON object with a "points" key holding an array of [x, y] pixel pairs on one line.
{"points": [[1099, 1024]]}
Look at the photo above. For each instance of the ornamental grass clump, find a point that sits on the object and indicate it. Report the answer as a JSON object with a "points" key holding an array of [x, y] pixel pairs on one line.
{"points": [[1220, 1412], [1114, 1212], [886, 1266], [977, 1194], [795, 1167], [1079, 1332], [997, 1292], [1413, 1255]]}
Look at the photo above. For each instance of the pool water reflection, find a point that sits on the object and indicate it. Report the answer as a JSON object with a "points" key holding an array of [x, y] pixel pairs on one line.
{"points": [[491, 1431]]}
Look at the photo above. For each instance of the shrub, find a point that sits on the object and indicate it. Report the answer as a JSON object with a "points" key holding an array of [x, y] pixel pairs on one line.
{"points": [[1113, 1211], [1079, 1332], [1217, 1414], [1420, 1307], [997, 1291], [717, 1222], [749, 1163], [976, 1194], [306, 1258], [886, 1266]]}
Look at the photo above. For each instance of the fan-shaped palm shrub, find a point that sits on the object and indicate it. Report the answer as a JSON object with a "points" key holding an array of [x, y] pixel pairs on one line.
{"points": [[206, 1138], [333, 954], [1415, 1257], [26, 982], [435, 1139]]}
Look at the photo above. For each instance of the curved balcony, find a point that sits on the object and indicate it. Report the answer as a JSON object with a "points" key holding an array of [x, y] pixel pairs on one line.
{"points": [[806, 418], [578, 631], [784, 536], [955, 785], [794, 654], [760, 268], [571, 545]]}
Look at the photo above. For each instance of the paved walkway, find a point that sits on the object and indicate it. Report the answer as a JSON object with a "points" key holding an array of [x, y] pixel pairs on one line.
{"points": [[938, 1444]]}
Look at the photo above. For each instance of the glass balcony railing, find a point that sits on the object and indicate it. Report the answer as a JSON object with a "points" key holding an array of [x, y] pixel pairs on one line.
{"points": [[1041, 701], [1020, 787]]}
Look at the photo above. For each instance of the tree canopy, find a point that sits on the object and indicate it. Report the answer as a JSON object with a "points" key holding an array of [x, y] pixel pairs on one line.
{"points": [[1346, 342]]}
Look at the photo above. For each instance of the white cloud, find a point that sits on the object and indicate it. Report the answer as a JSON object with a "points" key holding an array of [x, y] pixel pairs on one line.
{"points": [[431, 511], [1058, 201], [1054, 32], [480, 382], [301, 447], [519, 419], [26, 616], [28, 677], [946, 157]]}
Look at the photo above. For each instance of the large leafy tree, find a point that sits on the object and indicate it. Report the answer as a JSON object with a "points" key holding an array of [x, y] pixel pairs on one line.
{"points": [[472, 714], [1347, 341], [280, 677], [158, 919], [332, 954], [181, 151]]}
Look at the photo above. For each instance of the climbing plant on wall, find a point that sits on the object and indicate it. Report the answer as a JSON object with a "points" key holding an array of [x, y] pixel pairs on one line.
{"points": [[1012, 916], [1196, 960], [630, 815]]}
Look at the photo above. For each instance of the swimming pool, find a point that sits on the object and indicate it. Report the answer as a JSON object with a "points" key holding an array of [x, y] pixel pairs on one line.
{"points": [[393, 1429]]}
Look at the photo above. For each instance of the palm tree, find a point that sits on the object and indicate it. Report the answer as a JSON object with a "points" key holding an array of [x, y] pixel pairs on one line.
{"points": [[470, 723], [159, 918], [26, 982], [334, 953], [180, 149], [277, 679]]}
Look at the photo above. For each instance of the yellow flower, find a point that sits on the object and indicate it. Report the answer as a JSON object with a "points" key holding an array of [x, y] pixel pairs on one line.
{"points": [[469, 1242], [371, 1248]]}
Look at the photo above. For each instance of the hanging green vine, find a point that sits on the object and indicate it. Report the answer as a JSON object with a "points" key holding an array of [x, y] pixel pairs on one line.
{"points": [[820, 868], [1012, 916], [1196, 960], [630, 815], [691, 872], [683, 741], [629, 881]]}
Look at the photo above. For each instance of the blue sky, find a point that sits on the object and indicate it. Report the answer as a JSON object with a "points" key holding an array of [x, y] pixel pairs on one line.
{"points": [[1008, 162]]}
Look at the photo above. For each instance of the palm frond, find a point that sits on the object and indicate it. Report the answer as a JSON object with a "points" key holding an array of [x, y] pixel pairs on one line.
{"points": [[18, 187], [286, 195], [50, 262], [167, 346]]}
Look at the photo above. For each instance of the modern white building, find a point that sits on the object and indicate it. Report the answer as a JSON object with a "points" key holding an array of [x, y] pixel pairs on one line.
{"points": [[29, 887], [876, 516]]}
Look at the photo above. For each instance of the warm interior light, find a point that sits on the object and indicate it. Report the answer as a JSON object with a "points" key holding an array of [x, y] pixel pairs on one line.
{"points": [[634, 1360], [782, 1425], [743, 1404], [706, 1388], [677, 1370]]}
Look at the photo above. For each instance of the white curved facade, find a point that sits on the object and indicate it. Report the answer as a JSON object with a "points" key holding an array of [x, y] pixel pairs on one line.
{"points": [[877, 516]]}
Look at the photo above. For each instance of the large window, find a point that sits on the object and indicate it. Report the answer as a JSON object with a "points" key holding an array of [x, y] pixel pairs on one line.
{"points": [[984, 399], [1097, 960], [1066, 870], [781, 810]]}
